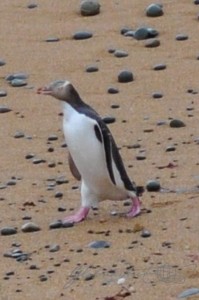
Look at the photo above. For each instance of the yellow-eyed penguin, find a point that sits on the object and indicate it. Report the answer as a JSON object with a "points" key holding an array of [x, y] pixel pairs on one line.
{"points": [[93, 155]]}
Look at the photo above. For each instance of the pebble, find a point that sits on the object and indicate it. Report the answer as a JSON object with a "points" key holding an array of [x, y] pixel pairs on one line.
{"points": [[11, 182], [143, 33], [54, 248], [52, 39], [18, 82], [170, 148], [56, 224], [141, 156], [125, 29], [82, 35], [99, 244], [152, 43], [67, 224], [157, 95], [4, 109], [130, 33], [91, 69], [112, 90], [13, 76], [43, 278], [89, 277], [8, 230], [175, 123], [19, 134], [181, 37], [53, 137], [109, 120], [154, 10], [125, 76], [89, 8], [120, 53], [37, 161], [153, 186], [32, 5], [159, 67], [30, 227], [189, 292], [59, 195], [3, 93], [2, 62], [145, 233]]}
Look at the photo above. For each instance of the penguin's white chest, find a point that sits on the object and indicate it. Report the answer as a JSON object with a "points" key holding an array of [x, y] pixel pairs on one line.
{"points": [[87, 151]]}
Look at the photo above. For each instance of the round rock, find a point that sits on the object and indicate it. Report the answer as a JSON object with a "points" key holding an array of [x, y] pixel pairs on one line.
{"points": [[125, 76], [112, 90], [56, 224], [157, 95], [154, 10], [109, 120], [16, 76], [159, 67], [153, 186], [181, 37], [18, 82], [30, 227], [175, 123], [145, 233], [82, 35], [91, 69], [152, 43], [89, 8]]}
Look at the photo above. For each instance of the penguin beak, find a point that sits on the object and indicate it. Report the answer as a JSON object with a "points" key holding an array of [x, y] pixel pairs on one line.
{"points": [[44, 91]]}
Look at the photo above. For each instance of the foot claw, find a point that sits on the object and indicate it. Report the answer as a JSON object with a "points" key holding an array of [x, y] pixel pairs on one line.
{"points": [[77, 217], [135, 209]]}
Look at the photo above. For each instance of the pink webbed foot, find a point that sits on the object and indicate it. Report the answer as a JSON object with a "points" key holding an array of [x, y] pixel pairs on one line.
{"points": [[135, 209], [79, 216]]}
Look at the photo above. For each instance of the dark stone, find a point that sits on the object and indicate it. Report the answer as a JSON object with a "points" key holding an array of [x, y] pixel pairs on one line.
{"points": [[125, 76], [29, 155], [37, 161], [82, 35], [125, 30], [3, 93], [54, 248], [89, 8], [152, 43], [153, 186], [11, 77], [59, 195], [145, 233], [18, 82], [52, 137], [109, 120], [56, 224], [157, 95], [18, 135], [120, 53], [181, 37], [112, 90], [32, 5], [170, 148], [67, 224], [175, 123], [8, 230], [91, 69], [144, 33], [154, 10], [30, 227], [4, 109], [159, 67], [2, 62]]}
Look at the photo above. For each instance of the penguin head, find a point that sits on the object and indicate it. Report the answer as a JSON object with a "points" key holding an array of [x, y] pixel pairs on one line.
{"points": [[59, 89]]}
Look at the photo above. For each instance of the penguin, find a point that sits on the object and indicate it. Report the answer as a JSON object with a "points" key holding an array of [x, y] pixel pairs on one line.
{"points": [[94, 158]]}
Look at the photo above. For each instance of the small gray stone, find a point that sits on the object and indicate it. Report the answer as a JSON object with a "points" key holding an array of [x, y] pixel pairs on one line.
{"points": [[91, 69], [56, 224], [52, 39], [67, 224], [37, 161], [8, 230], [112, 90], [125, 29], [53, 137], [157, 95], [109, 120], [16, 76], [11, 182], [58, 195], [89, 277], [19, 134], [175, 123], [29, 155], [99, 244], [159, 67], [4, 109], [154, 10], [125, 76], [43, 278], [54, 248], [170, 148], [130, 33], [189, 292], [120, 53], [3, 93], [152, 43], [145, 233], [82, 35], [2, 62], [89, 8], [181, 37], [30, 227], [153, 186], [18, 82], [141, 33], [32, 5]]}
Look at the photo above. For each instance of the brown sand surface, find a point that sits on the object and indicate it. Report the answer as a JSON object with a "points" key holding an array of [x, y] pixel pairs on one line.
{"points": [[158, 267]]}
